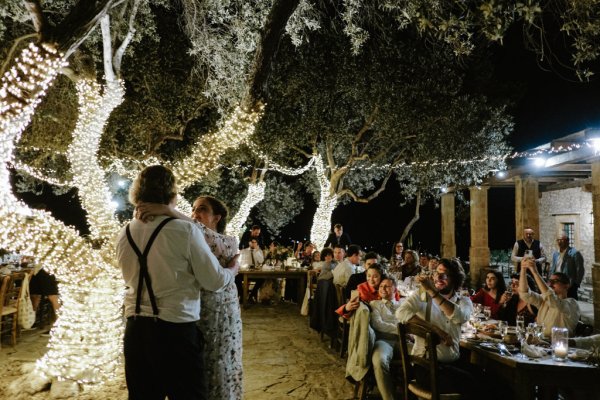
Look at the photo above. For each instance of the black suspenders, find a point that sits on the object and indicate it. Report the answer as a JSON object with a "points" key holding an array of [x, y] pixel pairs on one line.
{"points": [[144, 275]]}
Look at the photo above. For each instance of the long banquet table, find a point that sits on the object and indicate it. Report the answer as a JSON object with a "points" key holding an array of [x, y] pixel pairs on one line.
{"points": [[249, 274], [523, 375]]}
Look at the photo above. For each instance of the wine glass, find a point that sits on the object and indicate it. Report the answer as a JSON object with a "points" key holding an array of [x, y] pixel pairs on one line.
{"points": [[487, 312], [502, 328], [521, 335]]}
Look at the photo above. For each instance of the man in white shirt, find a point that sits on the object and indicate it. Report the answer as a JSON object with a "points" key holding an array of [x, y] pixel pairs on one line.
{"points": [[385, 324], [162, 301], [554, 308], [447, 312], [346, 268], [252, 256], [338, 254]]}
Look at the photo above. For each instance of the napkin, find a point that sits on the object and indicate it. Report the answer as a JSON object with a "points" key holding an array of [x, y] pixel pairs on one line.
{"points": [[532, 351]]}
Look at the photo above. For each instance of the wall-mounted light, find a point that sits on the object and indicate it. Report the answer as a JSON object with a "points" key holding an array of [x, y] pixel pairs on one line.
{"points": [[592, 135], [501, 174], [538, 161]]}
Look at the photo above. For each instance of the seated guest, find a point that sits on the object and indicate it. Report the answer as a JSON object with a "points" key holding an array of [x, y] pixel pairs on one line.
{"points": [[410, 266], [346, 268], [513, 305], [448, 311], [251, 256], [274, 256], [424, 260], [360, 277], [339, 253], [316, 258], [491, 294], [433, 263], [326, 266], [396, 256], [385, 324], [554, 308], [305, 256], [367, 291]]}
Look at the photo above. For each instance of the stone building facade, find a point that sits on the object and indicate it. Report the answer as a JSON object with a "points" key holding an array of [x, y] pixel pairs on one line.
{"points": [[569, 210]]}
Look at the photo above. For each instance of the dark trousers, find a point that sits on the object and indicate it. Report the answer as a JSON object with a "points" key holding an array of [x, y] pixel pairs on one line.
{"points": [[572, 293], [239, 283], [163, 359]]}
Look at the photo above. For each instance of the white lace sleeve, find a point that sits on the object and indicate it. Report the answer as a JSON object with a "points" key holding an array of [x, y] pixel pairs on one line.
{"points": [[222, 246]]}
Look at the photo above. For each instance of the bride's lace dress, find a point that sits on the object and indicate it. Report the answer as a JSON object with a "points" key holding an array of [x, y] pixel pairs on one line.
{"points": [[221, 325]]}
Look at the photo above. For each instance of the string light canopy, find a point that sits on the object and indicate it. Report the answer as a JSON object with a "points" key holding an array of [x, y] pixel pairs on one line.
{"points": [[236, 130]]}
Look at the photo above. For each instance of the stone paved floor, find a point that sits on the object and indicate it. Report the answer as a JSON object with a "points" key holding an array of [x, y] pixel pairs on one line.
{"points": [[283, 359]]}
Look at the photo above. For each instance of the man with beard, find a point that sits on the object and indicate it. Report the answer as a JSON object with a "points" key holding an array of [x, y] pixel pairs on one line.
{"points": [[444, 312]]}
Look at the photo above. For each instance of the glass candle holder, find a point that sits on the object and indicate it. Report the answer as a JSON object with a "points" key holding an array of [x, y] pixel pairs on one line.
{"points": [[560, 343]]}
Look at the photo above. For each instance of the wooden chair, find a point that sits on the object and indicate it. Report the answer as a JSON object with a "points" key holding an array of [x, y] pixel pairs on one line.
{"points": [[340, 339], [9, 303], [428, 362]]}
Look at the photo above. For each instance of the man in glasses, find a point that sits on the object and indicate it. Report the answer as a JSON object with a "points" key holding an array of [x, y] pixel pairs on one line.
{"points": [[443, 312], [385, 324], [569, 261], [554, 308]]}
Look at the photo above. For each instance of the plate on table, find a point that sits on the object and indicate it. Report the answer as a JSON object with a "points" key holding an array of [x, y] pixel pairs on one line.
{"points": [[494, 347], [579, 355]]}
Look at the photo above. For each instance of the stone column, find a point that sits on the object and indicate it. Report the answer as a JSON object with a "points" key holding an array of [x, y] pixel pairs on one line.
{"points": [[479, 252], [527, 206], [448, 247], [596, 263]]}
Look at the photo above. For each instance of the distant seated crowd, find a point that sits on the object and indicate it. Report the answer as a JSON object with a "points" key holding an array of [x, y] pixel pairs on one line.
{"points": [[442, 304]]}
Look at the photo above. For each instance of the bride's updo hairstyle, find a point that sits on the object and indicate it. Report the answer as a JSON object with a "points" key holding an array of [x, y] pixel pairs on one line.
{"points": [[155, 184], [218, 208]]}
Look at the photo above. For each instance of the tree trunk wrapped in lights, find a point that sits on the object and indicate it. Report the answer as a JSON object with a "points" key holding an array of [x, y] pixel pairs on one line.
{"points": [[95, 106], [327, 202], [256, 193]]}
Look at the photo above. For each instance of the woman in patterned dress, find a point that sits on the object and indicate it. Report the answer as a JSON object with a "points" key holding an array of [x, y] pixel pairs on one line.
{"points": [[220, 316]]}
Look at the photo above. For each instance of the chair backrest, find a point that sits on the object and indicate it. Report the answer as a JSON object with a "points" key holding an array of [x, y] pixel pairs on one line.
{"points": [[4, 283], [13, 291], [428, 361], [339, 294]]}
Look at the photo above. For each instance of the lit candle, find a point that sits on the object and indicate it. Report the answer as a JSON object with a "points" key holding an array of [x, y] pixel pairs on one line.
{"points": [[560, 350]]}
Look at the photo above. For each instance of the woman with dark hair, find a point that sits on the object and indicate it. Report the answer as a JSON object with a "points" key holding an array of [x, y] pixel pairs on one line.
{"points": [[367, 291], [273, 256], [396, 256], [491, 294], [411, 264], [220, 320], [513, 305]]}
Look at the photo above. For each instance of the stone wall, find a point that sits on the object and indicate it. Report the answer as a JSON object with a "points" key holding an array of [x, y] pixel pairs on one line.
{"points": [[569, 205]]}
